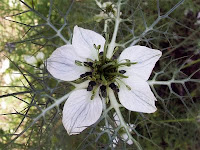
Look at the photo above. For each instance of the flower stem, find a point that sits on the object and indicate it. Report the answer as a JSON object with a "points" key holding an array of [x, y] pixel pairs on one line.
{"points": [[106, 121], [123, 124], [117, 22]]}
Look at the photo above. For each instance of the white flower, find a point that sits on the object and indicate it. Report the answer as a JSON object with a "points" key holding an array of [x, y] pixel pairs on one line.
{"points": [[3, 105], [9, 77], [85, 60], [109, 11], [30, 59], [5, 64], [35, 60], [40, 56]]}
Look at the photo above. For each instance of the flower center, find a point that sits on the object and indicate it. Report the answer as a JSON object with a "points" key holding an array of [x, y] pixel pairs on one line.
{"points": [[103, 72]]}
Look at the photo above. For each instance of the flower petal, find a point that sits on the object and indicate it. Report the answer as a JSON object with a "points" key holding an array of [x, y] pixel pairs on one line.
{"points": [[61, 64], [83, 41], [80, 111], [145, 57], [40, 55], [140, 98], [30, 59]]}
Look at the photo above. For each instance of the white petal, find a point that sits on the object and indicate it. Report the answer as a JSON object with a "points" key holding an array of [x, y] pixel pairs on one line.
{"points": [[61, 64], [30, 59], [80, 111], [40, 55], [145, 57], [83, 41], [4, 65], [140, 98]]}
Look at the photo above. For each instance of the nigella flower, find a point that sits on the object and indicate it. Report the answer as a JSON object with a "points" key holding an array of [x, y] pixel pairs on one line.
{"points": [[108, 11], [35, 60], [85, 60]]}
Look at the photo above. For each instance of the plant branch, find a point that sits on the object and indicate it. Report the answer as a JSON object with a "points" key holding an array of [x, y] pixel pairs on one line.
{"points": [[112, 44], [123, 124]]}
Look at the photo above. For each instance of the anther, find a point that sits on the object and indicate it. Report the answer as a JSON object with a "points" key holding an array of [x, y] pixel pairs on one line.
{"points": [[86, 74], [91, 85], [114, 87], [103, 91], [101, 54], [88, 64], [122, 71], [89, 88], [99, 47], [83, 75]]}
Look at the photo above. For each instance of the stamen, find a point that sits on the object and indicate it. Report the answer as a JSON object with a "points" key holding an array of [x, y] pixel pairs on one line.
{"points": [[88, 64], [99, 47], [91, 85], [78, 63], [103, 91], [85, 74], [101, 54], [89, 88], [88, 73], [122, 71], [127, 64], [114, 87]]}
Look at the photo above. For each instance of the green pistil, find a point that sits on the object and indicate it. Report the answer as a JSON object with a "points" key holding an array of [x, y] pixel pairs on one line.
{"points": [[104, 72], [104, 80], [126, 64], [105, 48], [107, 65], [117, 74]]}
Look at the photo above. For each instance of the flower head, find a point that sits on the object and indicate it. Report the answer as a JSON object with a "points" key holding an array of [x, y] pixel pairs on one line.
{"points": [[108, 11], [35, 60], [85, 60]]}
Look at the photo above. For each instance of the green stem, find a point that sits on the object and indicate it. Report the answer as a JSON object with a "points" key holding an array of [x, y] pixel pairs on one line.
{"points": [[177, 120], [113, 40], [191, 63], [123, 124]]}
